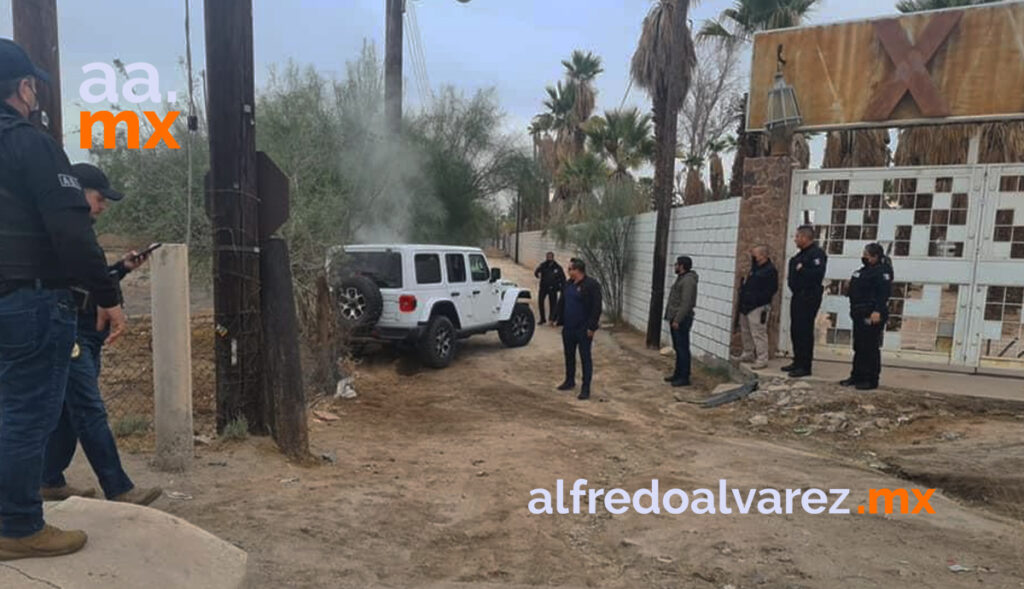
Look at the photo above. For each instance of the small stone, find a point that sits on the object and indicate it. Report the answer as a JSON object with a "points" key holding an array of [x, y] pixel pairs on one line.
{"points": [[666, 351], [325, 415], [883, 423], [868, 408], [481, 473], [951, 436], [758, 420], [203, 440], [802, 386], [777, 388]]}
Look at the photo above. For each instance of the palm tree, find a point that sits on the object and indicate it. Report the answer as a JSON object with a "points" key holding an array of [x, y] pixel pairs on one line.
{"points": [[581, 175], [663, 66], [716, 170], [581, 69], [693, 190], [738, 25], [561, 121], [623, 138]]}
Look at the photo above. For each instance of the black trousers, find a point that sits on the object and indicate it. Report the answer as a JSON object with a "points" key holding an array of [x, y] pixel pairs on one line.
{"points": [[867, 351], [573, 339], [802, 313], [548, 295]]}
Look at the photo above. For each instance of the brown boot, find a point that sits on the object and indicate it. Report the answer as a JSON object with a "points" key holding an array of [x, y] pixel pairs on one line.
{"points": [[49, 541], [139, 496], [65, 492]]}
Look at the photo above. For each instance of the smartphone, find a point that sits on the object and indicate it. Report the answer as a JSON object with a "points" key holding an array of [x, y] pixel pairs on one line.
{"points": [[152, 247]]}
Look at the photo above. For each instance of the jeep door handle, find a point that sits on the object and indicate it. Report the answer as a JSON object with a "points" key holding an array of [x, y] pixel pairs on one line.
{"points": [[455, 294], [476, 292]]}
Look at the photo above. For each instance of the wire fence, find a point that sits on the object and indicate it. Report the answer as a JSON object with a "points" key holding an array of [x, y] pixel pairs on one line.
{"points": [[126, 375]]}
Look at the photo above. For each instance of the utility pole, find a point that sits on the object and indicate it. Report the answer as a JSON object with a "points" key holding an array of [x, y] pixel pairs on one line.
{"points": [[234, 209], [393, 65], [35, 29]]}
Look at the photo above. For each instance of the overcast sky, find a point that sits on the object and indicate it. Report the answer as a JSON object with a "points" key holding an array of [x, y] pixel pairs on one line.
{"points": [[514, 46]]}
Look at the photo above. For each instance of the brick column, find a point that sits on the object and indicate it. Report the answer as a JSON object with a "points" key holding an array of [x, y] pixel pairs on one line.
{"points": [[764, 220]]}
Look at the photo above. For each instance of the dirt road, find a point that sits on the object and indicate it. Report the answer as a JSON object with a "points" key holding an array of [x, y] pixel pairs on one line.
{"points": [[434, 470]]}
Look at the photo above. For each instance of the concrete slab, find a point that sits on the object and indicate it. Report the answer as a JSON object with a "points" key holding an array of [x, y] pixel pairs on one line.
{"points": [[932, 381], [130, 547]]}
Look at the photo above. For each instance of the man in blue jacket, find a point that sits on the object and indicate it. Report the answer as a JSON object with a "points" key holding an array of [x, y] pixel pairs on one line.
{"points": [[579, 314]]}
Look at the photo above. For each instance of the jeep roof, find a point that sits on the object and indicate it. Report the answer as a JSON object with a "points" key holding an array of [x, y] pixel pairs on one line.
{"points": [[411, 247]]}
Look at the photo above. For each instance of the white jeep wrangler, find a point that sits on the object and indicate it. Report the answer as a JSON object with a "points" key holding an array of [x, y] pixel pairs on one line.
{"points": [[427, 296]]}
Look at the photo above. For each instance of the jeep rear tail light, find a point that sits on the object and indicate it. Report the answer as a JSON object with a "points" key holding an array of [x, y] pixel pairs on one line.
{"points": [[407, 303]]}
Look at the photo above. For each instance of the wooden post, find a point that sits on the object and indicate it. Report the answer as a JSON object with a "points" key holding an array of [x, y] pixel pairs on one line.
{"points": [[285, 395], [393, 65], [35, 29], [234, 212], [172, 358]]}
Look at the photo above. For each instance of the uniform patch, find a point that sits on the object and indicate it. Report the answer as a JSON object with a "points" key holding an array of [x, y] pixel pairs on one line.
{"points": [[68, 181], [856, 274], [817, 261], [886, 276]]}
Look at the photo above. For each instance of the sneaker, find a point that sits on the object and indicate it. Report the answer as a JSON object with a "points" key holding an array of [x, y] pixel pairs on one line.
{"points": [[49, 541], [849, 382], [788, 368], [567, 386], [65, 492], [542, 323], [139, 496], [584, 395]]}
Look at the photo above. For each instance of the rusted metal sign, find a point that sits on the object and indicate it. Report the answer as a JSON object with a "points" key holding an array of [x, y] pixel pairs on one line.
{"points": [[956, 65]]}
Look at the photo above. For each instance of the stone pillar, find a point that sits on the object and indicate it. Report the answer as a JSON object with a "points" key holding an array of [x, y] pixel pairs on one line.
{"points": [[764, 220], [172, 358]]}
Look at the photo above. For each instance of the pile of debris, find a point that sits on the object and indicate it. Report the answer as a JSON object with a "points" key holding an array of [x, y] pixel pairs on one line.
{"points": [[805, 408]]}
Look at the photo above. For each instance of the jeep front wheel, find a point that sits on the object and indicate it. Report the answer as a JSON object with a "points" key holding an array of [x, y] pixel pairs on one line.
{"points": [[437, 347], [518, 330]]}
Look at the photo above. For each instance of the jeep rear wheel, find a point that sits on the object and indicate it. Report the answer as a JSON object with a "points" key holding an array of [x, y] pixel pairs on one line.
{"points": [[437, 347], [518, 330], [359, 302]]}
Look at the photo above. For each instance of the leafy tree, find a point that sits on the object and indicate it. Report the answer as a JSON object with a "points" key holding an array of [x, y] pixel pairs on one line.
{"points": [[623, 139]]}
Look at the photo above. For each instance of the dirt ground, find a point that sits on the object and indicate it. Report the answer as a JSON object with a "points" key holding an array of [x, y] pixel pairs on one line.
{"points": [[430, 472]]}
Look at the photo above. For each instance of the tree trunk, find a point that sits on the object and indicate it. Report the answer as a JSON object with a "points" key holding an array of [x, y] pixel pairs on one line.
{"points": [[665, 120], [694, 191], [736, 181]]}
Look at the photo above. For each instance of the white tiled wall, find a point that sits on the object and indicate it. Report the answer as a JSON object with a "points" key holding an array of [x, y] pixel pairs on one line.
{"points": [[705, 232]]}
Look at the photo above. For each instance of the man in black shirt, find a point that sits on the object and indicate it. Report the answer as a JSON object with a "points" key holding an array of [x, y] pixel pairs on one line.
{"points": [[46, 244], [552, 279], [806, 277], [756, 294]]}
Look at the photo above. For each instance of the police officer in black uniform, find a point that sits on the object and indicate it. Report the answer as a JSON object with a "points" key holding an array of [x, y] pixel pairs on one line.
{"points": [[46, 244], [870, 288], [806, 279]]}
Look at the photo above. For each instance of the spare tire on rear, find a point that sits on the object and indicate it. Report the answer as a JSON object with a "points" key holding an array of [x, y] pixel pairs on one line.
{"points": [[359, 302]]}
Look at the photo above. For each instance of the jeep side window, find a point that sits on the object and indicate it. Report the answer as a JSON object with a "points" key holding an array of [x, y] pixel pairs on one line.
{"points": [[428, 269], [456, 264], [478, 268]]}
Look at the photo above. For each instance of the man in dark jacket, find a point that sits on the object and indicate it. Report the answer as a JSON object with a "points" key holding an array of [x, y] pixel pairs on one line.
{"points": [[85, 415], [46, 244], [806, 277], [552, 280], [679, 312], [579, 314], [756, 293]]}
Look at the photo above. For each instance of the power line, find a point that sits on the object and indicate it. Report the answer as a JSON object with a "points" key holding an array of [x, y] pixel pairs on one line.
{"points": [[418, 55]]}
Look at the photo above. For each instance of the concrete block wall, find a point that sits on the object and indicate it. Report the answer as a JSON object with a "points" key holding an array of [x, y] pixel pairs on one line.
{"points": [[707, 233]]}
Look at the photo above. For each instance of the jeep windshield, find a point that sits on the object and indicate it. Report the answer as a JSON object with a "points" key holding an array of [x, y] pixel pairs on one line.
{"points": [[384, 268]]}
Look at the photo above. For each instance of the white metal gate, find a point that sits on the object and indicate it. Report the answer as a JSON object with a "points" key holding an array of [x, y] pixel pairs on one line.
{"points": [[956, 237]]}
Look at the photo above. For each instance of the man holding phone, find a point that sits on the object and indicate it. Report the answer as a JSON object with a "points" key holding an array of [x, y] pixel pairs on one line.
{"points": [[84, 417]]}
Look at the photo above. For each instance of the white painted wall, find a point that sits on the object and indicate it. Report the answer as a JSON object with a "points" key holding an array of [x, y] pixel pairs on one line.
{"points": [[705, 232]]}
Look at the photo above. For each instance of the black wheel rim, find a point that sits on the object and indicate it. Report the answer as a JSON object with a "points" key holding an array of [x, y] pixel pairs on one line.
{"points": [[520, 326], [443, 342], [353, 304]]}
